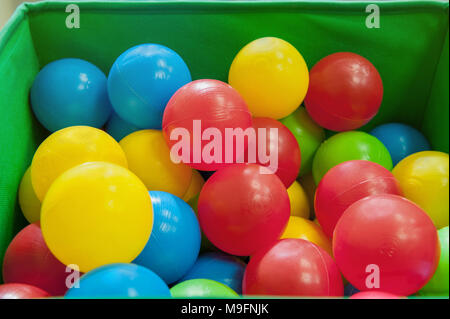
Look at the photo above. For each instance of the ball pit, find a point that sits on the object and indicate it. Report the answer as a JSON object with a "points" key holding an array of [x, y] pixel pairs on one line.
{"points": [[21, 291], [149, 158], [345, 91], [393, 235], [347, 183], [424, 179], [116, 204], [29, 261], [119, 280], [271, 75], [70, 147], [241, 209], [309, 136], [174, 244], [401, 140], [285, 269], [276, 140], [202, 288], [438, 284], [299, 200], [28, 201], [95, 214], [302, 228], [206, 102], [142, 80], [70, 92], [349, 146], [220, 267]]}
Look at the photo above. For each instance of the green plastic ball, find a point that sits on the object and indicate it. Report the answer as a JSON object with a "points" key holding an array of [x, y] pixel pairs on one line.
{"points": [[438, 284], [347, 146], [202, 288], [308, 134]]}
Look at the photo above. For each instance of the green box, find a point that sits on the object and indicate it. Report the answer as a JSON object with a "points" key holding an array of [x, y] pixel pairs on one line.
{"points": [[410, 50]]}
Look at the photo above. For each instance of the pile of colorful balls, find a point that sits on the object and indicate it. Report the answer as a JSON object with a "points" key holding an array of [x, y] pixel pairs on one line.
{"points": [[152, 185]]}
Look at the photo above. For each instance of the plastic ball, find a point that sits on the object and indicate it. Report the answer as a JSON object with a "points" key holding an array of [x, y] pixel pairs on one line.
{"points": [[401, 140], [345, 92], [389, 233], [29, 261], [196, 121], [349, 146], [28, 201], [174, 244], [374, 295], [149, 158], [141, 82], [226, 269], [347, 183], [195, 186], [21, 291], [118, 128], [424, 179], [271, 75], [119, 280], [242, 208], [309, 136], [202, 288], [95, 214], [292, 267], [299, 200], [70, 92], [302, 228], [438, 284], [273, 138], [70, 147]]}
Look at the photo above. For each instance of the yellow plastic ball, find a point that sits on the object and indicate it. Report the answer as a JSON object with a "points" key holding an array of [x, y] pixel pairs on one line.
{"points": [[299, 200], [302, 228], [272, 77], [149, 158], [423, 178], [96, 213], [195, 186], [28, 201], [70, 147]]}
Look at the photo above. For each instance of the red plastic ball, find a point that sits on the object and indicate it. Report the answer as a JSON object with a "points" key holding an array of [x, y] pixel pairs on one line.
{"points": [[347, 183], [387, 243], [214, 106], [374, 295], [28, 260], [21, 291], [292, 267], [241, 209], [277, 142], [345, 91]]}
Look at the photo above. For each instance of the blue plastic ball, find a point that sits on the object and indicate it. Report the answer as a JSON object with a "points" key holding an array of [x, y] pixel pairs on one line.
{"points": [[141, 82], [70, 92], [401, 140], [174, 243], [120, 281], [220, 267], [118, 128]]}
